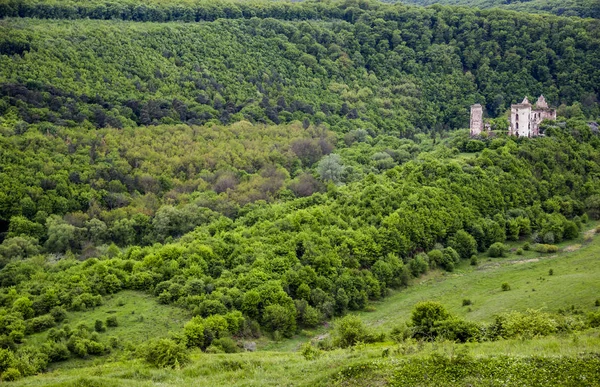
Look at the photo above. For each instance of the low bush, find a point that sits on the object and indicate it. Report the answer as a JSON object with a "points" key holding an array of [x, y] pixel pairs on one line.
{"points": [[351, 330], [309, 352], [544, 248], [505, 287], [56, 351], [400, 333], [40, 323], [226, 344], [59, 314], [112, 321], [459, 330], [594, 319], [11, 374], [526, 325], [99, 326], [497, 250], [165, 353]]}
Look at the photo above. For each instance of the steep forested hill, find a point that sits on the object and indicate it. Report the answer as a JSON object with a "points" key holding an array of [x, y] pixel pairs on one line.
{"points": [[385, 68]]}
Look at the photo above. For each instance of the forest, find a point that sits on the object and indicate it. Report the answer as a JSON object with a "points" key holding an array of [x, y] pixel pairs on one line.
{"points": [[580, 8], [266, 167], [384, 68]]}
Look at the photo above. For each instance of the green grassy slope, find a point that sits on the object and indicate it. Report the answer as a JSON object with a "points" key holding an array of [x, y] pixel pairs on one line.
{"points": [[140, 318], [331, 368], [574, 282]]}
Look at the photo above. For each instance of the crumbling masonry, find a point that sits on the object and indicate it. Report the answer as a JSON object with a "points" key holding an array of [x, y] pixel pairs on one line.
{"points": [[525, 119]]}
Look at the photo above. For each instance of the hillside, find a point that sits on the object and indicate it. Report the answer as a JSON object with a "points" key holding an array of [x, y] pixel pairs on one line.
{"points": [[181, 182], [383, 68], [284, 364]]}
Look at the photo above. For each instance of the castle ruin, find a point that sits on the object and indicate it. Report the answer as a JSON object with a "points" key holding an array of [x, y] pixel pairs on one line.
{"points": [[525, 119]]}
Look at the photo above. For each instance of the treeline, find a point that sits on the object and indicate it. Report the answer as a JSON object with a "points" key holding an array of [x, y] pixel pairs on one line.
{"points": [[178, 10], [581, 8], [282, 266], [387, 68]]}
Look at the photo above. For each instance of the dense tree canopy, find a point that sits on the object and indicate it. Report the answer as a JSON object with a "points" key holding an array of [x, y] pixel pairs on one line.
{"points": [[384, 68]]}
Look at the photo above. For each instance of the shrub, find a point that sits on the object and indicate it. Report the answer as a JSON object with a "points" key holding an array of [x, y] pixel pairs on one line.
{"points": [[309, 352], [527, 325], [474, 261], [56, 334], [551, 272], [457, 330], [7, 359], [497, 250], [435, 258], [505, 287], [56, 351], [227, 344], [59, 313], [210, 307], [280, 318], [597, 303], [520, 251], [526, 246], [424, 316], [350, 330], [594, 319], [99, 326], [548, 237], [193, 331], [400, 333], [466, 302], [311, 317], [11, 374], [113, 341], [112, 322], [165, 353], [543, 248], [571, 231], [40, 323]]}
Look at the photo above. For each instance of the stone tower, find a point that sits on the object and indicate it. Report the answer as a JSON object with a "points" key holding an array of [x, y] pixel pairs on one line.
{"points": [[520, 123], [476, 119]]}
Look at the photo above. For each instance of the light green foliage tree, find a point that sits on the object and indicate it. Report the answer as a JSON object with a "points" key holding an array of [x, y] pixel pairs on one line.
{"points": [[330, 168]]}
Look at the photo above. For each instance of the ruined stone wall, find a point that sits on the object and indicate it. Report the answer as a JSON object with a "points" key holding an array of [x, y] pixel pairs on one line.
{"points": [[476, 119]]}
